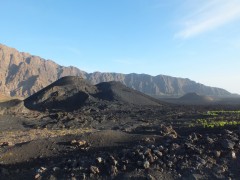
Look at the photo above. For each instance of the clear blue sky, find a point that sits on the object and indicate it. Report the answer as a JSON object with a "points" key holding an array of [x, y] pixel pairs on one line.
{"points": [[196, 39]]}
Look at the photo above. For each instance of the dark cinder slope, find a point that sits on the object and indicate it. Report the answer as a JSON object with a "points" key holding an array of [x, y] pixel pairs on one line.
{"points": [[117, 91], [193, 99], [70, 93], [23, 74], [10, 103], [13, 106], [67, 93]]}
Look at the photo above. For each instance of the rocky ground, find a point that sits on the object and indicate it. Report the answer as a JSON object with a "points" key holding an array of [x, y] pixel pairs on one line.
{"points": [[112, 141]]}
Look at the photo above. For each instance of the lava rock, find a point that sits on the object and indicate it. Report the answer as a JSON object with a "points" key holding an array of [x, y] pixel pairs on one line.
{"points": [[146, 164], [99, 160], [217, 153], [94, 170], [113, 170], [227, 144]]}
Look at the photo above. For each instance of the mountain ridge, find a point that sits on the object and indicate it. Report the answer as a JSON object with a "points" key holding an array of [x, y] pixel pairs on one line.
{"points": [[23, 74]]}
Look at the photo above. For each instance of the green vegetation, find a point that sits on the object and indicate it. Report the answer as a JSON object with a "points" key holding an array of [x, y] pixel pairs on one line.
{"points": [[210, 123], [216, 113], [215, 119]]}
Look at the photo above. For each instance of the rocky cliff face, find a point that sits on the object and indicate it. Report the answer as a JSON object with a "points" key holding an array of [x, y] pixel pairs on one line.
{"points": [[158, 85], [22, 74]]}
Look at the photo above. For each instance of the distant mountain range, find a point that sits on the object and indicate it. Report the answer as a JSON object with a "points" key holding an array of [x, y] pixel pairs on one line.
{"points": [[22, 74]]}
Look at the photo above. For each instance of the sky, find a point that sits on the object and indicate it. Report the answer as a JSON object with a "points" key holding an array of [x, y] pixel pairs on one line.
{"points": [[195, 39]]}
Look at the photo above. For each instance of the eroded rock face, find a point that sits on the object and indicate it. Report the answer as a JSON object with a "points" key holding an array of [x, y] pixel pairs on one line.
{"points": [[157, 85], [23, 74]]}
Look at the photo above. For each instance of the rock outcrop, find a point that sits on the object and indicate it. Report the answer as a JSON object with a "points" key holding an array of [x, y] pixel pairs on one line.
{"points": [[23, 74]]}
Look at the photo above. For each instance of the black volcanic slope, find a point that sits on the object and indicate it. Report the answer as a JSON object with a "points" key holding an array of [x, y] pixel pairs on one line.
{"points": [[192, 99], [67, 93], [195, 98], [117, 91], [70, 93], [10, 103]]}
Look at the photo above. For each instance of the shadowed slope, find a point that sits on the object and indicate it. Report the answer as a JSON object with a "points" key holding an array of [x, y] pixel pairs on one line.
{"points": [[195, 97], [71, 93], [67, 93], [119, 92], [13, 106]]}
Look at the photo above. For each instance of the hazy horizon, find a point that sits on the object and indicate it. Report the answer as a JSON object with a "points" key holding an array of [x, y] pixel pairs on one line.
{"points": [[197, 39]]}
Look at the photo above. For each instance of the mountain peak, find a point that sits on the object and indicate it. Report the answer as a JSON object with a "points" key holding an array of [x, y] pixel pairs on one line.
{"points": [[69, 80]]}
